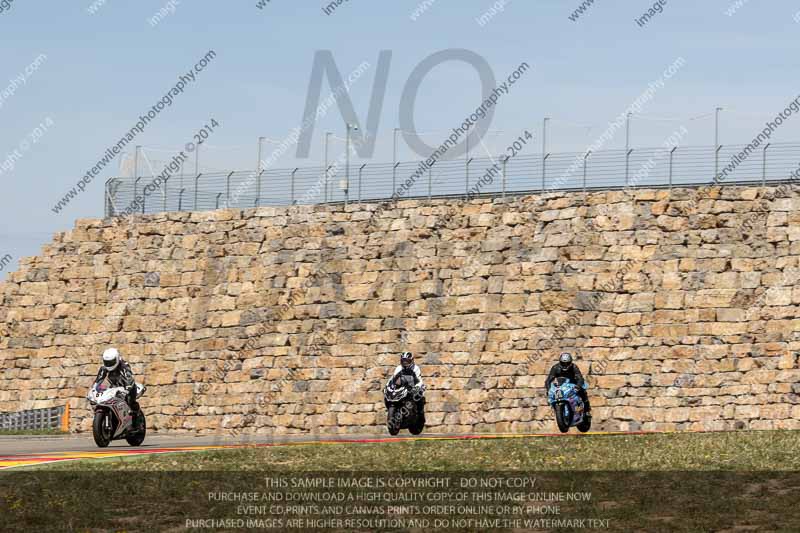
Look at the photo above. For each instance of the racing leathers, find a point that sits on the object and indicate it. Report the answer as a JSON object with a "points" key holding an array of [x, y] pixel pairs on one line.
{"points": [[573, 374], [122, 376], [416, 374]]}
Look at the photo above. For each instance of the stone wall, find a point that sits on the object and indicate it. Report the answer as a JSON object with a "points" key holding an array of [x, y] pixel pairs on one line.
{"points": [[683, 308]]}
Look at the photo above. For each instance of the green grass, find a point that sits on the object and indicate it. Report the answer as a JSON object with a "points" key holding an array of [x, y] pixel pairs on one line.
{"points": [[738, 481], [735, 451]]}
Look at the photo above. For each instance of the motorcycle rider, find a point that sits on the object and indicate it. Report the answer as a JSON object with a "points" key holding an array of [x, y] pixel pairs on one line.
{"points": [[119, 374], [407, 367], [565, 368]]}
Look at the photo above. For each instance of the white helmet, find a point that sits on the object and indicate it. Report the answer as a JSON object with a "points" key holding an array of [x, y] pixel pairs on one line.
{"points": [[111, 359]]}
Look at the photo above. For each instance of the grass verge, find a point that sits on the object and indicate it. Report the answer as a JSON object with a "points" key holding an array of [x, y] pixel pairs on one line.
{"points": [[732, 451], [739, 481]]}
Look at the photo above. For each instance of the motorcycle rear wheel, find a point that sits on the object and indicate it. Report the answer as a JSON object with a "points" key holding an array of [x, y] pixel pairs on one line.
{"points": [[102, 436], [562, 420], [136, 439], [417, 427]]}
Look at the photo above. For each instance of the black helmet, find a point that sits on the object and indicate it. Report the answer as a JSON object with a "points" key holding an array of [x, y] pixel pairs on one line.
{"points": [[565, 360], [406, 359]]}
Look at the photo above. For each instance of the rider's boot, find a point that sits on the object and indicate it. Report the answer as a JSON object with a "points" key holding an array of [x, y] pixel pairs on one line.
{"points": [[134, 405]]}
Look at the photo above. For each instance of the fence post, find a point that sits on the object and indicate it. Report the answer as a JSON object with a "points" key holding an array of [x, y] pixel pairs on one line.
{"points": [[293, 183], [764, 166], [466, 189], [430, 183], [164, 195], [327, 177], [360, 171], [260, 142], [228, 191], [505, 163], [258, 188], [136, 161], [544, 165], [106, 199], [627, 165], [716, 165], [671, 152], [394, 177], [218, 195], [114, 186], [111, 204], [325, 183], [135, 190], [180, 199], [588, 153], [196, 185]]}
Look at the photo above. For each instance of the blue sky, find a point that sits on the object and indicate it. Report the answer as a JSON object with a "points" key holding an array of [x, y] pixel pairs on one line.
{"points": [[103, 70]]}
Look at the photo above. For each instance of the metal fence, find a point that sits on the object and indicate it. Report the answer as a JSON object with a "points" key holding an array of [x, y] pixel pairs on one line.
{"points": [[367, 182], [35, 419]]}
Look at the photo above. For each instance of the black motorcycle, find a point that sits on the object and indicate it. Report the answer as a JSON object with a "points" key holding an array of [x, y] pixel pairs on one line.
{"points": [[402, 399]]}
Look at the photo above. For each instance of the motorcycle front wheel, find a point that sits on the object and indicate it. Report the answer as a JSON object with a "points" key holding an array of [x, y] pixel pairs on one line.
{"points": [[101, 431], [392, 421], [563, 417]]}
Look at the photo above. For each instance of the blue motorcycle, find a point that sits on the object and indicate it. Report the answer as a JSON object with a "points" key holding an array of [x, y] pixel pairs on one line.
{"points": [[568, 406]]}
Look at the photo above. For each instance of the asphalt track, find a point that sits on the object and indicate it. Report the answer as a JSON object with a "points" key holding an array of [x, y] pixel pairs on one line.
{"points": [[26, 451]]}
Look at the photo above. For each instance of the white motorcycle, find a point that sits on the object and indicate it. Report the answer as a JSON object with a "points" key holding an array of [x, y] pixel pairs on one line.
{"points": [[112, 415]]}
